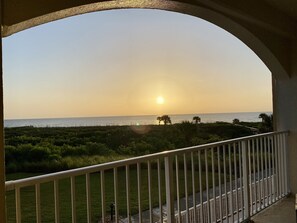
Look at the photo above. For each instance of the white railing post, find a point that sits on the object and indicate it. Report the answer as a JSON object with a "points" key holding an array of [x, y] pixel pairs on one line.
{"points": [[88, 197], [128, 194], [37, 203], [287, 183], [18, 213], [245, 170], [102, 183], [160, 191], [73, 199], [169, 189], [57, 201]]}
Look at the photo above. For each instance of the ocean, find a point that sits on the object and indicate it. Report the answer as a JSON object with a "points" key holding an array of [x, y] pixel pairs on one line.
{"points": [[130, 120]]}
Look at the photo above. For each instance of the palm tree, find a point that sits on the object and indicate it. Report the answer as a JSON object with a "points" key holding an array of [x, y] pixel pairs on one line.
{"points": [[159, 118], [197, 119], [264, 117], [267, 122], [166, 119], [236, 121]]}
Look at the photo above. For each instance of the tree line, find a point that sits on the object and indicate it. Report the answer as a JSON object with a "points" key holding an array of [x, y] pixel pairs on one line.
{"points": [[34, 149]]}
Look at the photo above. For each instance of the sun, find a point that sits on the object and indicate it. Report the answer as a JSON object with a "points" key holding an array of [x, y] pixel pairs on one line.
{"points": [[160, 100]]}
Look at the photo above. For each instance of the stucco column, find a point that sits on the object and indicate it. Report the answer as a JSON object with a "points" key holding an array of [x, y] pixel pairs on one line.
{"points": [[285, 114], [2, 162]]}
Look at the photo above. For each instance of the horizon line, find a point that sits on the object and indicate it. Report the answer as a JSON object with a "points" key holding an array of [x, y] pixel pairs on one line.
{"points": [[110, 116]]}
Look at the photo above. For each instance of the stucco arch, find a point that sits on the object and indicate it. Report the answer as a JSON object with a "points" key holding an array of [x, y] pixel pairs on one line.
{"points": [[268, 27], [249, 32]]}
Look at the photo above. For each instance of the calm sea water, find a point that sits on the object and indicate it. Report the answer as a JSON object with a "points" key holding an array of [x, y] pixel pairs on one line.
{"points": [[130, 120]]}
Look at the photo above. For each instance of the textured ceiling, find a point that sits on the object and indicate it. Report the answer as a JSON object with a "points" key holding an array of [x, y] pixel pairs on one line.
{"points": [[22, 14], [289, 7]]}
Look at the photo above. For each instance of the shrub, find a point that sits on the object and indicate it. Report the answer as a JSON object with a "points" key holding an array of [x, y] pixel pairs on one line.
{"points": [[93, 148], [38, 153]]}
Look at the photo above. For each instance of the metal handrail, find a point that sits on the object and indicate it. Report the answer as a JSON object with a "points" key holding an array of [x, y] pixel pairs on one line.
{"points": [[10, 185], [251, 170]]}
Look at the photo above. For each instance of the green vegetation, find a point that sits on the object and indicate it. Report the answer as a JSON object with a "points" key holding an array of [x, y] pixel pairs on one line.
{"points": [[30, 149]]}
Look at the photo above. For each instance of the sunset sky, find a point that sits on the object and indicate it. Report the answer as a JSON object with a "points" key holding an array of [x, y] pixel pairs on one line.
{"points": [[131, 62]]}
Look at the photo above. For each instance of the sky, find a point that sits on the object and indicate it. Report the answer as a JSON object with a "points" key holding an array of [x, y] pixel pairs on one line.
{"points": [[131, 62]]}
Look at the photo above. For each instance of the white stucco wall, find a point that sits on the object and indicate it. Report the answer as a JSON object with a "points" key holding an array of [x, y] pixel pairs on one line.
{"points": [[285, 114]]}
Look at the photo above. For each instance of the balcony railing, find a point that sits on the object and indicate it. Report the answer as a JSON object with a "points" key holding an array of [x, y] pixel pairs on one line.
{"points": [[224, 181]]}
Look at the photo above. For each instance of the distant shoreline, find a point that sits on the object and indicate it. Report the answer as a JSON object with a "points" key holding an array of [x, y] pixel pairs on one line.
{"points": [[130, 120], [114, 116]]}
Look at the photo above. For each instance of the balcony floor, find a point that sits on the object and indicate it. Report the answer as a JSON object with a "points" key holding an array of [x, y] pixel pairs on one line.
{"points": [[282, 211]]}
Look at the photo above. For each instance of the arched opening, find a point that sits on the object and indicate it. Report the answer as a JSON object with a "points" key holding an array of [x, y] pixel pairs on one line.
{"points": [[275, 50], [39, 76]]}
